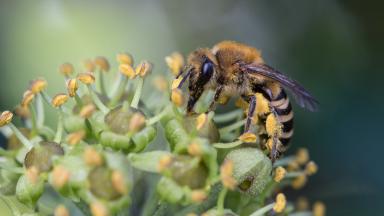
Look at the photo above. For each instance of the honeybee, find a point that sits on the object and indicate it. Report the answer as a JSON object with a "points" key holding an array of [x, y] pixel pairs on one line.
{"points": [[234, 69]]}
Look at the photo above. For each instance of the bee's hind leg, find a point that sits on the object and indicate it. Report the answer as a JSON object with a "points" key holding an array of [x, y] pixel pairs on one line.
{"points": [[251, 112]]}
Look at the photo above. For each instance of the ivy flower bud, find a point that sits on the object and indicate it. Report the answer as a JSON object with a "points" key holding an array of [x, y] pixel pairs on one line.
{"points": [[28, 192], [194, 149], [40, 156], [226, 174], [207, 127], [118, 182], [248, 137], [100, 182], [32, 174], [27, 98], [311, 168], [279, 174], [280, 203], [87, 78], [5, 118], [92, 157], [124, 58], [61, 210], [120, 120], [143, 68], [127, 70], [164, 163], [66, 69], [72, 87], [177, 97], [319, 209], [99, 209], [89, 65], [175, 62], [60, 176], [299, 182], [137, 122], [87, 110], [302, 156], [102, 63], [37, 85], [59, 99], [198, 196], [75, 137]]}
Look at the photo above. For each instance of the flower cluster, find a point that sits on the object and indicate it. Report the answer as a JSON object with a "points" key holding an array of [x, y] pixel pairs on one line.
{"points": [[114, 151]]}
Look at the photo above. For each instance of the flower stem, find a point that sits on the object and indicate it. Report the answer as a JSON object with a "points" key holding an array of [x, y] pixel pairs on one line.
{"points": [[97, 101], [59, 132], [262, 211], [78, 100], [228, 145], [220, 118], [102, 83], [118, 92], [40, 111], [159, 116], [21, 137], [33, 120], [136, 97], [284, 161], [220, 201], [232, 127]]}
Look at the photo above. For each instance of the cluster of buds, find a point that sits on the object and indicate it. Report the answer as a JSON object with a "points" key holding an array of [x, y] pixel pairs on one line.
{"points": [[105, 143]]}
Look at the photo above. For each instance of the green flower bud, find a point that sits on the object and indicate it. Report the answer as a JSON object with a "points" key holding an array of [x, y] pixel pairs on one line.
{"points": [[142, 138], [208, 129], [8, 179], [169, 190], [115, 141], [119, 119], [176, 135], [29, 192], [73, 123], [40, 156], [252, 169], [101, 184]]}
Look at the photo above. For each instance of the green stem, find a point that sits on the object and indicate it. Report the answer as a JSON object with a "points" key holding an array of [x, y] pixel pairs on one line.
{"points": [[33, 121], [102, 83], [221, 200], [97, 101], [40, 111], [262, 211], [159, 116], [59, 132], [294, 174], [229, 116], [21, 137], [78, 100], [118, 93], [232, 127], [46, 97], [284, 161], [136, 97], [228, 145]]}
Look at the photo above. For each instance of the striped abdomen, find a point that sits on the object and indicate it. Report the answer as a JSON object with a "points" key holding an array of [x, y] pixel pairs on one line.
{"points": [[284, 112]]}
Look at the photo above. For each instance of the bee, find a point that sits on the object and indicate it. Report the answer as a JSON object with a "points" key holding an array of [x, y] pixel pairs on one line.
{"points": [[235, 69]]}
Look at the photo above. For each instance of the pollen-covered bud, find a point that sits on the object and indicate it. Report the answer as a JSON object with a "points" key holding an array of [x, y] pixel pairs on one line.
{"points": [[302, 156], [198, 196], [100, 181], [311, 168], [27, 98], [137, 122], [89, 65], [280, 173], [272, 125], [87, 110], [87, 78], [5, 118], [66, 69], [40, 156], [177, 97], [280, 203], [143, 68], [60, 176], [37, 85], [102, 63], [61, 210], [118, 182], [319, 209], [75, 137], [59, 99], [124, 58], [175, 62], [92, 157], [251, 169], [72, 87], [194, 149], [226, 174], [160, 83], [127, 70], [248, 137], [299, 182], [99, 209]]}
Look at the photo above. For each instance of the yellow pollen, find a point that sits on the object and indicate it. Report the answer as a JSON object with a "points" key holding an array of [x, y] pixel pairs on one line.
{"points": [[293, 166], [164, 162], [175, 62], [194, 149], [200, 120], [60, 176], [302, 156], [279, 174], [127, 70], [118, 182], [75, 138], [280, 203], [87, 111], [248, 137], [272, 125], [92, 157], [137, 122], [72, 87], [66, 69], [177, 97], [102, 63], [38, 85], [88, 65], [143, 68], [27, 98], [5, 118], [319, 209], [124, 58], [241, 104], [198, 196], [299, 181], [59, 99], [226, 172], [32, 174], [87, 78], [98, 209], [61, 210], [311, 168], [176, 83], [160, 83], [262, 105]]}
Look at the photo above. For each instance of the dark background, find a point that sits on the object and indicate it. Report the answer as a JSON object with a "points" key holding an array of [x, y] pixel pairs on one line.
{"points": [[334, 48]]}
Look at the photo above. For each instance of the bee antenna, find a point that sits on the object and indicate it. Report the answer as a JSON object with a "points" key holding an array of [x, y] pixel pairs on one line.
{"points": [[185, 77]]}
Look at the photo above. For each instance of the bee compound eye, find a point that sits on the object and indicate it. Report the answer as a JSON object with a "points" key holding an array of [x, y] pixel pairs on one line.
{"points": [[207, 69]]}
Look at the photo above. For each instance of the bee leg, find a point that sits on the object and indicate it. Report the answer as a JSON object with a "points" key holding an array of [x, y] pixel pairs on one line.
{"points": [[274, 152], [218, 91], [251, 111]]}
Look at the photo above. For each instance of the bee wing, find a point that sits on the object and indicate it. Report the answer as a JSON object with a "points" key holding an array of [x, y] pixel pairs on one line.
{"points": [[302, 96]]}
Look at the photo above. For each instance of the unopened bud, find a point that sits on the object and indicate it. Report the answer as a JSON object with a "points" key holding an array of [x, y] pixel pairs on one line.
{"points": [[118, 182]]}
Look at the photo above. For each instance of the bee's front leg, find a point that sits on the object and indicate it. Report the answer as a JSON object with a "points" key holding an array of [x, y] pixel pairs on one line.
{"points": [[251, 112], [218, 92]]}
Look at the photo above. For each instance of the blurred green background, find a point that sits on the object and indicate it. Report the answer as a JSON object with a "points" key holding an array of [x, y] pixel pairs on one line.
{"points": [[334, 48]]}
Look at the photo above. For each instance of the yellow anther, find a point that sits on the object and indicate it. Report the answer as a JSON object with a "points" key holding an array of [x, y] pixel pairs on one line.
{"points": [[194, 149], [302, 156], [262, 105], [280, 203], [143, 68], [299, 181], [99, 209], [226, 172], [38, 85], [88, 65], [198, 196], [75, 138], [177, 97], [293, 166], [87, 78], [248, 137], [60, 176], [59, 99], [175, 62], [124, 58], [279, 174], [272, 125], [22, 111], [66, 69], [302, 204], [32, 174], [118, 182], [137, 122], [92, 157], [102, 63], [87, 110], [319, 209], [201, 120], [127, 70], [311, 168], [27, 98], [72, 87], [61, 210], [176, 83], [5, 118], [164, 162]]}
